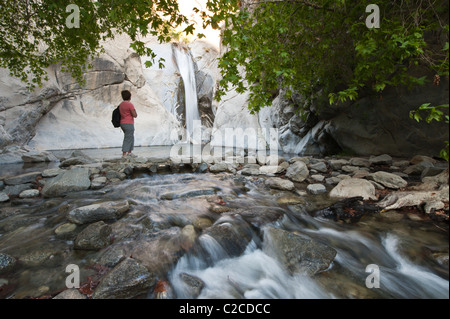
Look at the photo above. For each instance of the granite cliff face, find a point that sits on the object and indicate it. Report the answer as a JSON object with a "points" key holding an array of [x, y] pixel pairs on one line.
{"points": [[64, 115]]}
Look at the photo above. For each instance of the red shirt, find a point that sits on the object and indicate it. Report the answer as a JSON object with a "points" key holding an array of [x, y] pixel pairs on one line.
{"points": [[125, 112]]}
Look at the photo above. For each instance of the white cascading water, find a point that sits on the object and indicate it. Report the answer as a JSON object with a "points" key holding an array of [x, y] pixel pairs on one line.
{"points": [[186, 69]]}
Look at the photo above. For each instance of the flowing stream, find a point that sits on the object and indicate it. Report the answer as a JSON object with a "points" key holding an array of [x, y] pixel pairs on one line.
{"points": [[405, 250]]}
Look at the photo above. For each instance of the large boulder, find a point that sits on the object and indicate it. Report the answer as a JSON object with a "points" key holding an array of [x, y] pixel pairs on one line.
{"points": [[74, 180], [296, 253], [97, 212], [127, 280], [297, 172], [354, 187]]}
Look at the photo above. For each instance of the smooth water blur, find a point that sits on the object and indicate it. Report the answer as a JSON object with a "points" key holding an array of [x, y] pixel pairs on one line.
{"points": [[402, 248]]}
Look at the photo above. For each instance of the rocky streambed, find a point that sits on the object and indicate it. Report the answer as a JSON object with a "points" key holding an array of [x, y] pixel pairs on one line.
{"points": [[151, 228]]}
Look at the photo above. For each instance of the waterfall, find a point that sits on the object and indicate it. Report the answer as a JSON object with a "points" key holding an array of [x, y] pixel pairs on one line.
{"points": [[185, 65]]}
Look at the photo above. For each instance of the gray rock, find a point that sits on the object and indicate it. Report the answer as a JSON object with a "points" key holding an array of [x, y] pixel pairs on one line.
{"points": [[74, 180], [203, 167], [189, 193], [127, 280], [297, 254], [38, 157], [318, 178], [17, 189], [66, 231], [384, 159], [320, 167], [7, 263], [362, 162], [354, 187], [230, 238], [337, 164], [249, 171], [316, 189], [79, 160], [218, 168], [417, 169], [70, 294], [3, 197], [97, 212], [279, 183], [421, 158], [52, 172], [297, 171], [194, 284], [111, 257], [29, 193], [431, 171], [22, 179], [98, 182], [388, 179], [93, 237]]}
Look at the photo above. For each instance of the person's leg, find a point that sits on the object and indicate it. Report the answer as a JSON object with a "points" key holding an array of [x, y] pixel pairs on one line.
{"points": [[128, 139]]}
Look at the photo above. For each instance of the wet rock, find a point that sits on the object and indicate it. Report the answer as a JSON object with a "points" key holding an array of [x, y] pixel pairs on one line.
{"points": [[38, 157], [348, 210], [233, 238], [7, 263], [78, 160], [297, 254], [189, 193], [127, 280], [261, 215], [290, 200], [70, 294], [93, 237], [388, 180], [354, 187], [74, 180], [193, 284], [97, 212], [202, 223], [22, 179], [66, 231], [279, 183], [17, 189], [45, 256], [110, 257], [159, 253], [316, 189], [297, 172]]}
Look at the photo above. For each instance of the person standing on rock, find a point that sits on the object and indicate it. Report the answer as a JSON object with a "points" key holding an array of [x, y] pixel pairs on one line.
{"points": [[127, 116]]}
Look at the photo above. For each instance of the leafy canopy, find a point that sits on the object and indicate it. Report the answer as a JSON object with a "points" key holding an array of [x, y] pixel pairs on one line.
{"points": [[325, 49], [34, 33]]}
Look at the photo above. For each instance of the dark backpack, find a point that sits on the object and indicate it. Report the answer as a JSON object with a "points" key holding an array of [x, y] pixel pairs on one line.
{"points": [[116, 117]]}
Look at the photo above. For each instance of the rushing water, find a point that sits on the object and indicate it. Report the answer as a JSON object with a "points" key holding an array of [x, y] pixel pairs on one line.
{"points": [[185, 66], [403, 249]]}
